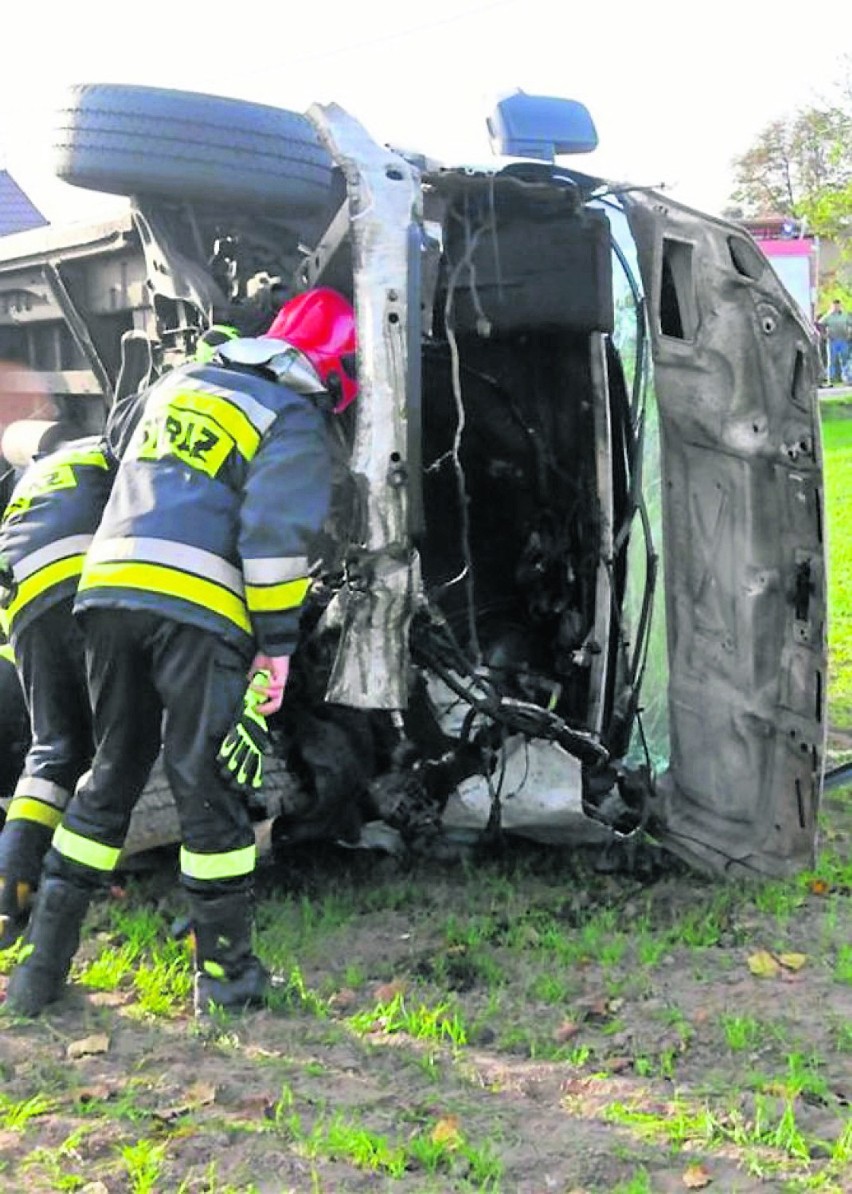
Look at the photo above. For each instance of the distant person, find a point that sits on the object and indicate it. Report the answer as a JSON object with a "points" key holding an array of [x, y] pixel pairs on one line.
{"points": [[837, 325]]}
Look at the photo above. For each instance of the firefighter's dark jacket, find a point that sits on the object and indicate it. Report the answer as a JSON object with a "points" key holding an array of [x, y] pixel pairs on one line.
{"points": [[48, 525], [220, 495]]}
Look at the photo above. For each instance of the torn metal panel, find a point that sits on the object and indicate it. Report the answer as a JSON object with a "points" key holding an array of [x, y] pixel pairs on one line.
{"points": [[372, 665], [540, 792], [736, 376]]}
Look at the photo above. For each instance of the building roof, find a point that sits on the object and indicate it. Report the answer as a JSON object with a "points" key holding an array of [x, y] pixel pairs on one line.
{"points": [[17, 211], [772, 226]]}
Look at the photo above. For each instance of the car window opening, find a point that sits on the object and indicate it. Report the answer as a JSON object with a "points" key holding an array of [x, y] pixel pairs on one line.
{"points": [[678, 311]]}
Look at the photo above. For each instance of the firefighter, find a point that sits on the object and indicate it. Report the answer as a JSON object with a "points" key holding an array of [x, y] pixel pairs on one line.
{"points": [[48, 523], [193, 584], [49, 520]]}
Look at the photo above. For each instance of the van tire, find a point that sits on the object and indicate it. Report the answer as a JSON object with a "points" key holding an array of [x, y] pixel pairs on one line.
{"points": [[156, 142], [155, 824]]}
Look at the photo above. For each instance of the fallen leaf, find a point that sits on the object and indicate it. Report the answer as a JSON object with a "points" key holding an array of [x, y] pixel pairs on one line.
{"points": [[763, 964], [258, 1106], [700, 1016], [617, 1065], [565, 1031], [387, 992], [87, 1046], [818, 887], [201, 1093], [446, 1131], [696, 1177], [343, 999], [595, 1009], [254, 1051], [793, 961]]}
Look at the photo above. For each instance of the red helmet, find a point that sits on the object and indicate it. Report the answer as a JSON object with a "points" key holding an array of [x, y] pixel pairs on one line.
{"points": [[321, 323]]}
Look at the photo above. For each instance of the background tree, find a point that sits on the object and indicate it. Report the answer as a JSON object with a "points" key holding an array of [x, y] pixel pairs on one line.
{"points": [[801, 166], [794, 162]]}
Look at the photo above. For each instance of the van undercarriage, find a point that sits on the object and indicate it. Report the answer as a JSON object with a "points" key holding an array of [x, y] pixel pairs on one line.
{"points": [[575, 584]]}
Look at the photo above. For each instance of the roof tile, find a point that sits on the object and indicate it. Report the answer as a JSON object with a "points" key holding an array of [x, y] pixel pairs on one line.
{"points": [[17, 212]]}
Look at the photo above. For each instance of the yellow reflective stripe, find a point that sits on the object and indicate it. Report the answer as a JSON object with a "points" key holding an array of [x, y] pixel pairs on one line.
{"points": [[257, 413], [93, 456], [229, 417], [84, 850], [6, 651], [24, 809], [170, 582], [45, 579], [270, 598], [229, 865]]}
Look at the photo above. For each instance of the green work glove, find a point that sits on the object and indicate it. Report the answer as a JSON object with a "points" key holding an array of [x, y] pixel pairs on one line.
{"points": [[241, 754]]}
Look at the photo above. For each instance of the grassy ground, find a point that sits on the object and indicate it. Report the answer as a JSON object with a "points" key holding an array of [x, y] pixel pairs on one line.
{"points": [[837, 446], [527, 1024], [522, 1022]]}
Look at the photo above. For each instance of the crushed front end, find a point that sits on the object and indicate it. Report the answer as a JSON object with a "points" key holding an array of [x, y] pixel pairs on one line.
{"points": [[587, 522]]}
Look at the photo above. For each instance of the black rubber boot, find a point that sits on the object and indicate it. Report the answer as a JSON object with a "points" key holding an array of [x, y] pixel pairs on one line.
{"points": [[51, 942], [227, 973], [23, 845]]}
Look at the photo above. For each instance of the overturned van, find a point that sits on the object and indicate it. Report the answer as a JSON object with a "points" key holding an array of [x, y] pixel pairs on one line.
{"points": [[576, 585]]}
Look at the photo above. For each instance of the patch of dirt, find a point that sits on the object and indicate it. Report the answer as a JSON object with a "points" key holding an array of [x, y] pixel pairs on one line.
{"points": [[610, 1034]]}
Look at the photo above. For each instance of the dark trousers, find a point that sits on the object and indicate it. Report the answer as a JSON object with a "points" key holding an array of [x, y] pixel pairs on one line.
{"points": [[15, 733], [49, 653], [153, 681]]}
